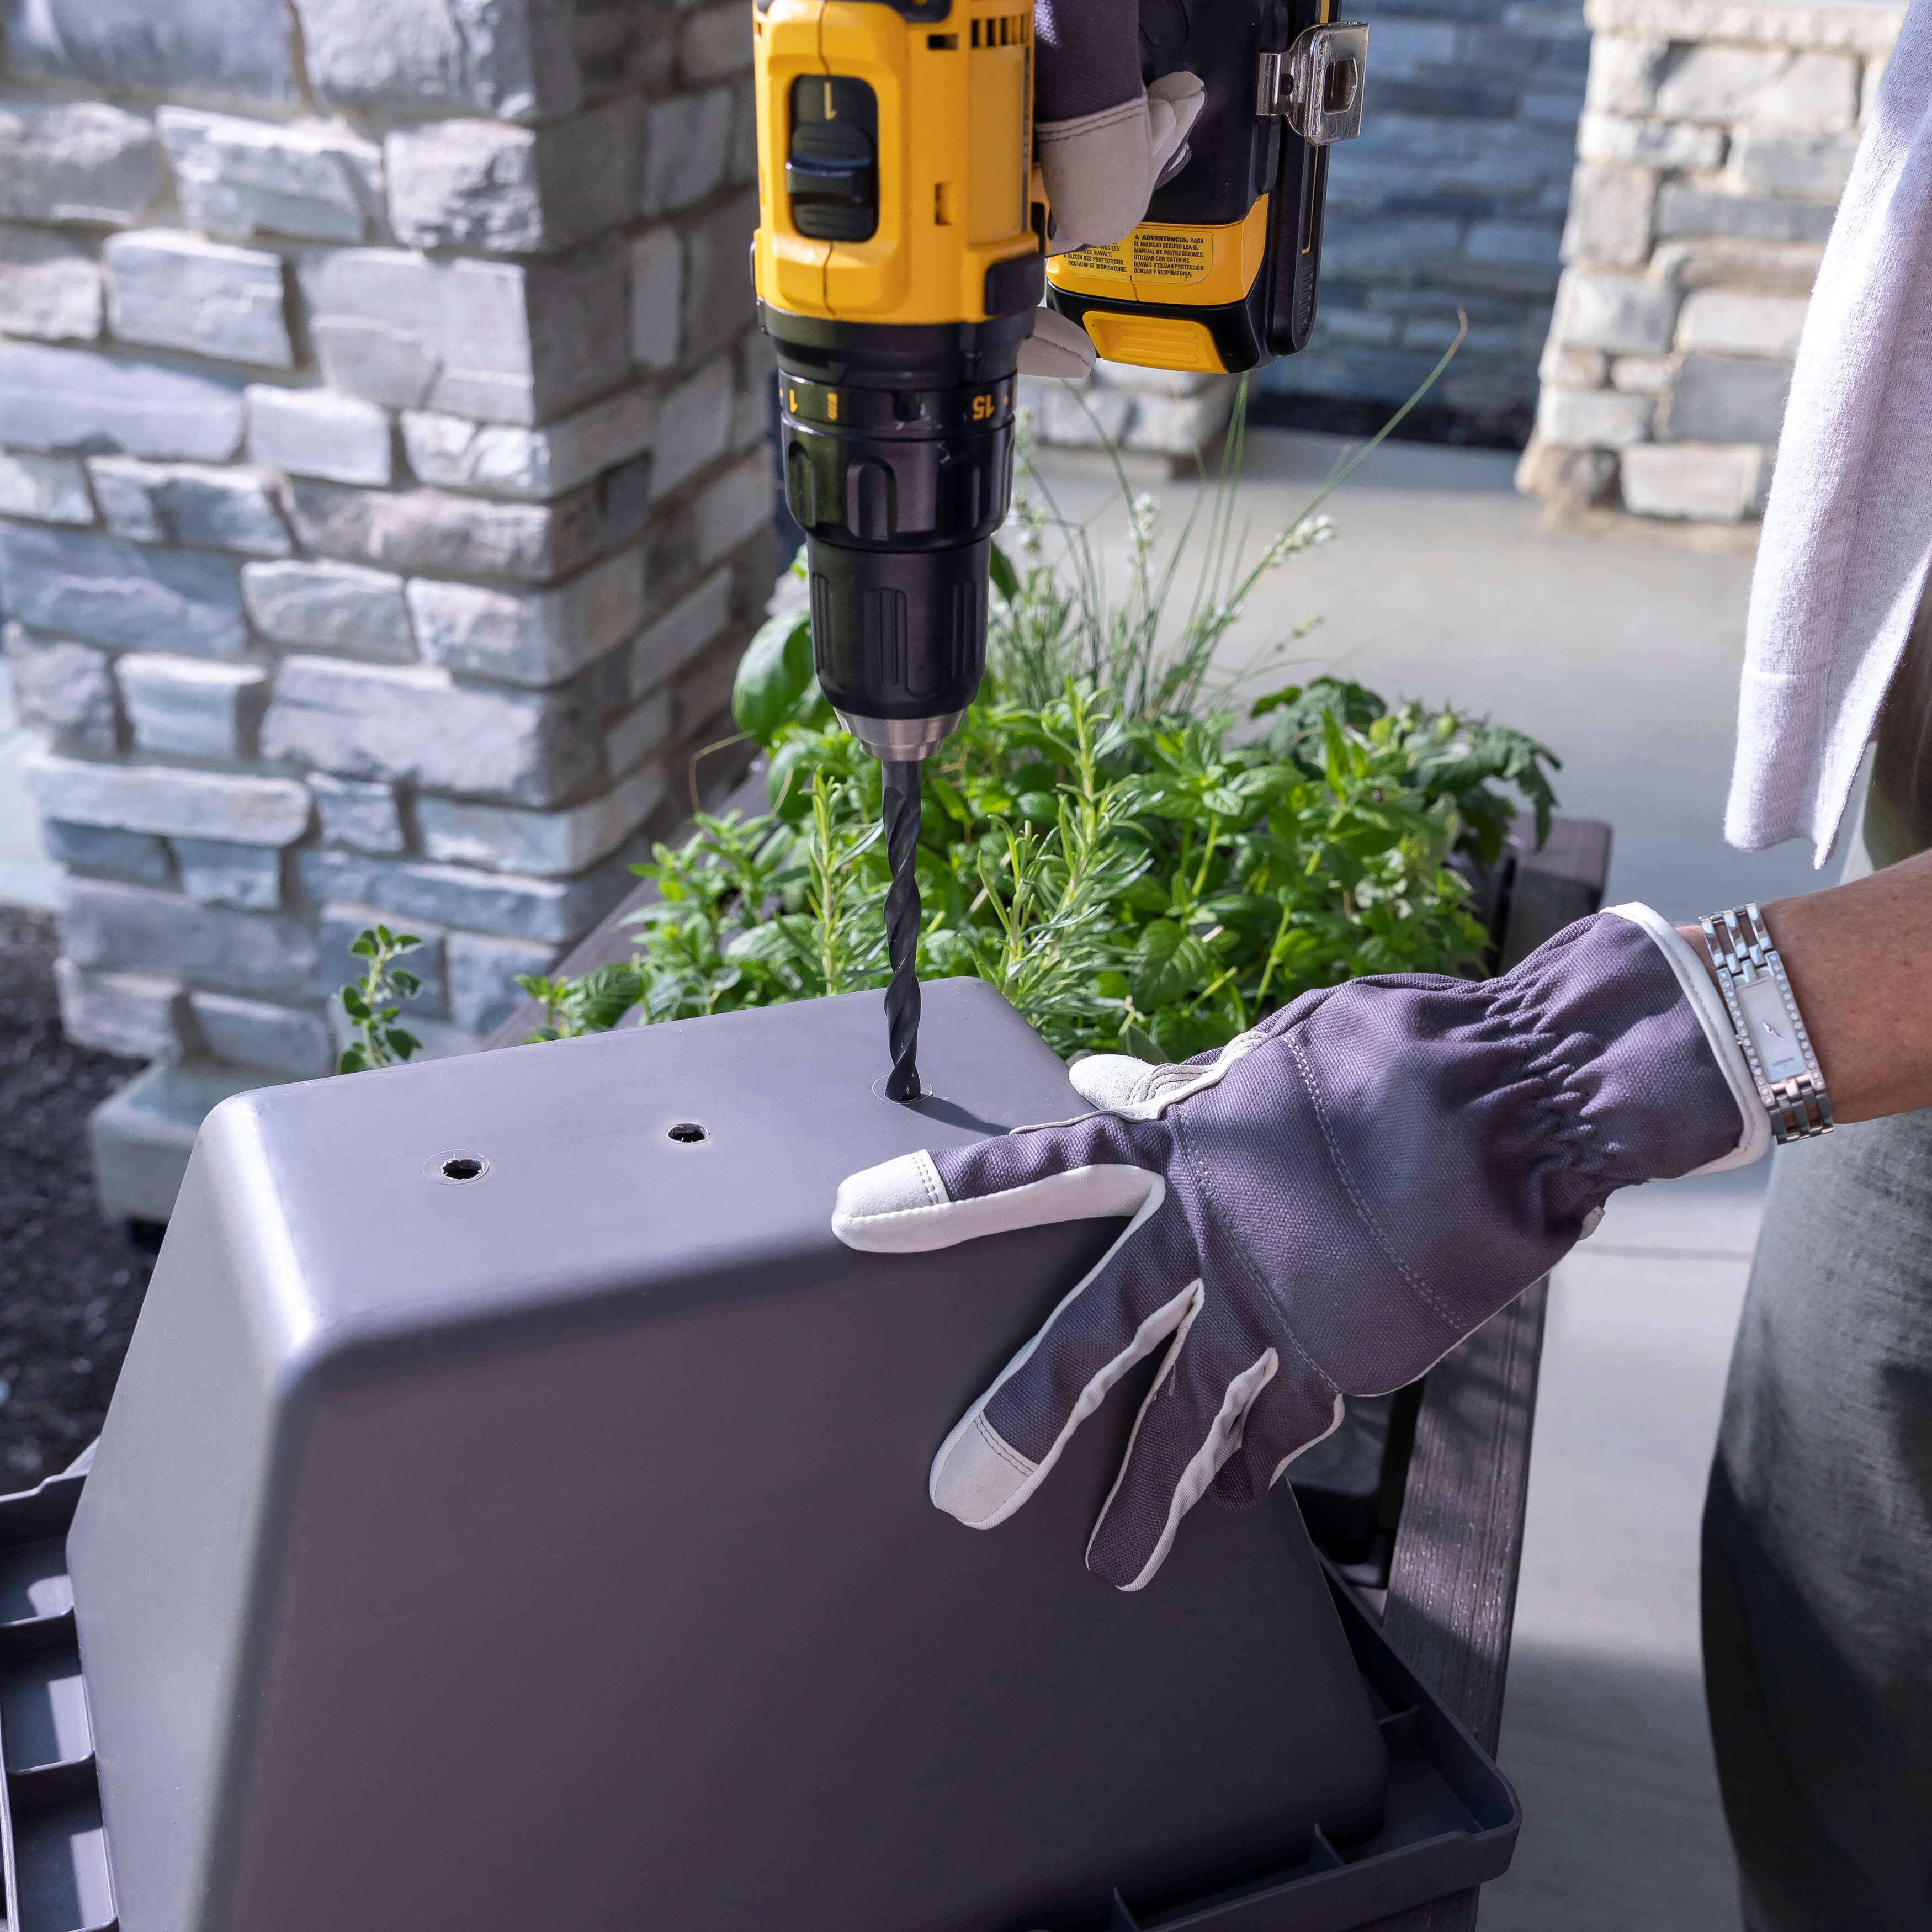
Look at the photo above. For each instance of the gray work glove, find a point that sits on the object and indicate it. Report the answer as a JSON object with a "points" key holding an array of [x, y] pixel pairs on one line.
{"points": [[1103, 142], [1323, 1207]]}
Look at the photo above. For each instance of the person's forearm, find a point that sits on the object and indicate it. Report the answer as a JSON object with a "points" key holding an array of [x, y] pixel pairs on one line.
{"points": [[1859, 959]]}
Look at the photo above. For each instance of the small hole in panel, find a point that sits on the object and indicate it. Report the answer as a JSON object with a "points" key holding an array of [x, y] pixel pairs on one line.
{"points": [[943, 42], [462, 1167], [687, 1131]]}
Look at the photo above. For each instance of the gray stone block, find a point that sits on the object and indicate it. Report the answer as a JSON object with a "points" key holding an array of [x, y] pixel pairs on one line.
{"points": [[188, 503], [1644, 375], [337, 966], [719, 299], [316, 433], [1738, 321], [239, 49], [713, 44], [1697, 482], [1623, 74], [513, 190], [128, 1013], [64, 689], [1575, 479], [1592, 418], [743, 501], [1621, 314], [172, 800], [213, 872], [1701, 82], [555, 909], [549, 844], [513, 58], [1683, 210], [240, 179], [127, 596], [1781, 163], [657, 299], [1818, 93], [681, 633], [141, 1137], [1719, 262], [693, 426], [529, 637], [431, 530], [76, 161], [46, 489], [138, 856], [294, 1040], [74, 399], [1729, 399], [177, 291], [687, 149], [1572, 368], [638, 733], [109, 927], [1610, 222], [367, 816], [419, 726], [191, 707], [330, 607], [1615, 138], [505, 459], [483, 988], [499, 341], [49, 287]]}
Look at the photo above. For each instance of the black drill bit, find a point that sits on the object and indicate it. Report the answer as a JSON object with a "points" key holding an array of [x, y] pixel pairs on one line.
{"points": [[901, 815]]}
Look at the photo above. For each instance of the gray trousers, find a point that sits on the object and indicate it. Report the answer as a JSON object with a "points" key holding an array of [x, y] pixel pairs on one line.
{"points": [[1817, 1574]]}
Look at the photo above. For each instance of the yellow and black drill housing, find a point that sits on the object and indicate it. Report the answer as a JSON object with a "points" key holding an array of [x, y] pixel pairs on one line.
{"points": [[898, 261], [1222, 273]]}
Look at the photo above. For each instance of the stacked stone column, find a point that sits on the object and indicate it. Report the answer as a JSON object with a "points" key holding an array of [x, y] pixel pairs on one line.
{"points": [[384, 496], [1716, 142]]}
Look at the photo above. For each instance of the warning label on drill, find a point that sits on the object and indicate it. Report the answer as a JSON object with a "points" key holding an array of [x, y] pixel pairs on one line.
{"points": [[1098, 260], [1171, 255]]}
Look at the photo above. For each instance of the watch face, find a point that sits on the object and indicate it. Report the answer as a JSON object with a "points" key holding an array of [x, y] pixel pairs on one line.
{"points": [[1771, 1030]]}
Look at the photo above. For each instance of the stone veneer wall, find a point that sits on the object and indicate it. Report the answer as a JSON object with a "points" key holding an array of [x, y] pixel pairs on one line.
{"points": [[385, 493], [1716, 142], [1453, 196]]}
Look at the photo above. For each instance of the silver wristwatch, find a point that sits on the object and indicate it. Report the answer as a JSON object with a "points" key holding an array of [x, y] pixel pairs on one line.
{"points": [[1765, 1015]]}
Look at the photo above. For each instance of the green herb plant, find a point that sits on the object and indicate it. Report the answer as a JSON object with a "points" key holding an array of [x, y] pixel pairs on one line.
{"points": [[372, 1002], [1136, 860]]}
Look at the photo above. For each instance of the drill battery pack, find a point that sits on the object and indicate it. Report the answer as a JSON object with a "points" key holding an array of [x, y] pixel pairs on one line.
{"points": [[1222, 274]]}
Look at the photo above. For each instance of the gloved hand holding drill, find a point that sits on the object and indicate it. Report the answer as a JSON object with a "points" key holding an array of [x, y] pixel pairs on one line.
{"points": [[1104, 142], [1323, 1208]]}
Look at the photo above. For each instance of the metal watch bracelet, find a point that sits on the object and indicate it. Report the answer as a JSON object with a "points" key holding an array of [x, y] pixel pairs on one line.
{"points": [[1769, 1028]]}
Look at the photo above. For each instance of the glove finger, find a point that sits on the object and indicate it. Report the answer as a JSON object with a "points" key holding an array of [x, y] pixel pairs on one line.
{"points": [[1084, 1170], [1298, 1409], [1005, 1446], [1174, 102], [1189, 1425], [1057, 346], [1099, 171], [1109, 1080]]}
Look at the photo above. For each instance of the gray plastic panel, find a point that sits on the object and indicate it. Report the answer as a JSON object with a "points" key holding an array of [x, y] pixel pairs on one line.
{"points": [[552, 1548]]}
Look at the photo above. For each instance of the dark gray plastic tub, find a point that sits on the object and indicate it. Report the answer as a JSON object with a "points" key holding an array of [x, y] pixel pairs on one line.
{"points": [[513, 1512]]}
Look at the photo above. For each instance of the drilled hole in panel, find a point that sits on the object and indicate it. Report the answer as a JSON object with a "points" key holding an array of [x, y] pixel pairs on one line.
{"points": [[687, 1131]]}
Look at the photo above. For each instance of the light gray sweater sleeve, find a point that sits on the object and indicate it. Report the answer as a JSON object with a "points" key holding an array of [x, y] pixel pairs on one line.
{"points": [[1843, 559]]}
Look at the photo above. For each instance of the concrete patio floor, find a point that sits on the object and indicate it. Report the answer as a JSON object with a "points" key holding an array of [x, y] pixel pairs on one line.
{"points": [[1620, 651]]}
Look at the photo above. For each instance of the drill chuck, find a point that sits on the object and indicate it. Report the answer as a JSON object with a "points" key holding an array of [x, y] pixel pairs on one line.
{"points": [[899, 457]]}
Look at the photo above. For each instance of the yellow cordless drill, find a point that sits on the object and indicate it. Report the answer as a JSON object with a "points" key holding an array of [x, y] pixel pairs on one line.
{"points": [[901, 255]]}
